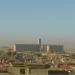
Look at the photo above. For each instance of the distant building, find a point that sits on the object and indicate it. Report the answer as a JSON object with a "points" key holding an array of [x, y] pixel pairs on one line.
{"points": [[26, 47], [5, 49], [69, 50], [36, 69], [29, 69], [45, 48], [56, 48]]}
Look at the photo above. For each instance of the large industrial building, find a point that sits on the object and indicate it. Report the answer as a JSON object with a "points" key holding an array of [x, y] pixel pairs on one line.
{"points": [[38, 47], [27, 47], [56, 48], [53, 48]]}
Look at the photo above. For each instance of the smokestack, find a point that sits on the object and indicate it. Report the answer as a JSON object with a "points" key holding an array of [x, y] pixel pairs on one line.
{"points": [[40, 43]]}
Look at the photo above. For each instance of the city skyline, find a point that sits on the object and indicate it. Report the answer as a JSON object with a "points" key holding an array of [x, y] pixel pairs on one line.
{"points": [[24, 21]]}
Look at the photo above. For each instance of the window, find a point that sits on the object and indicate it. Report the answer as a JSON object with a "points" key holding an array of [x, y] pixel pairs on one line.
{"points": [[22, 71]]}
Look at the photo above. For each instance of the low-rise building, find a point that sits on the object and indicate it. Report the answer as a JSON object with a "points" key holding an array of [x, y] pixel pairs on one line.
{"points": [[29, 69], [35, 69]]}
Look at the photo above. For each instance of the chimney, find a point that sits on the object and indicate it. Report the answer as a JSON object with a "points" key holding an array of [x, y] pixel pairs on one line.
{"points": [[40, 43]]}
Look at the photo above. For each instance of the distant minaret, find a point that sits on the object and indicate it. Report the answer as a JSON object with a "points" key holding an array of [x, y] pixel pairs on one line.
{"points": [[40, 43]]}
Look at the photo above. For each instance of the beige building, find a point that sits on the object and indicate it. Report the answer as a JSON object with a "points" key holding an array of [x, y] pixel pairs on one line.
{"points": [[31, 69], [35, 69]]}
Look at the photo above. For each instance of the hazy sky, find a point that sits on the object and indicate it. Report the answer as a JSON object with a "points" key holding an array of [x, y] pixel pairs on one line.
{"points": [[24, 21]]}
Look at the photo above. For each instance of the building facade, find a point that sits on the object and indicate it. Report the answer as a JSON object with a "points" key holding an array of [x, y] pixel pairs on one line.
{"points": [[26, 47], [56, 48]]}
